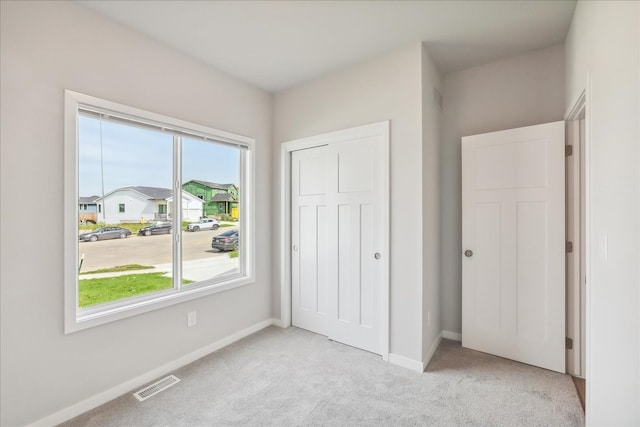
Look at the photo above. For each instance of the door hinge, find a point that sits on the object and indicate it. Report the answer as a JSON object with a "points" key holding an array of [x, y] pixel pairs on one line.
{"points": [[569, 247], [568, 343], [568, 150]]}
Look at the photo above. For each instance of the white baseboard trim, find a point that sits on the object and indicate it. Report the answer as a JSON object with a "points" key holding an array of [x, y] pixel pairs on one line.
{"points": [[279, 323], [405, 362], [125, 387], [456, 336], [432, 350]]}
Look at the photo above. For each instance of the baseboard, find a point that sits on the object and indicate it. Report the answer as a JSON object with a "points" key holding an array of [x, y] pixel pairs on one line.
{"points": [[114, 392], [405, 362], [456, 336], [279, 323], [432, 350]]}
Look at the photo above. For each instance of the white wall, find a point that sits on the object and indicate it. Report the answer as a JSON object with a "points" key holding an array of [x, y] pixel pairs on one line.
{"points": [[519, 91], [431, 195], [191, 207], [47, 47], [603, 50], [386, 88], [136, 206]]}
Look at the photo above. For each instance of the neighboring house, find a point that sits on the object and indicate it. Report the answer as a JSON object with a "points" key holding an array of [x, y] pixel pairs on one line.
{"points": [[145, 204], [218, 198], [88, 209]]}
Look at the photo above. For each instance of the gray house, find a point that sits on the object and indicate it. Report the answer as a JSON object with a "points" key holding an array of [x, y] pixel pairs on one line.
{"points": [[88, 210]]}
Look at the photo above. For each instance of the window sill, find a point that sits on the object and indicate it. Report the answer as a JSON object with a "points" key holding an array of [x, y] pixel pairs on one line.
{"points": [[111, 312]]}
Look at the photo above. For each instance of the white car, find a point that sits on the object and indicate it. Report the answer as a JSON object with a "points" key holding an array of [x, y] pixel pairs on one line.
{"points": [[204, 224]]}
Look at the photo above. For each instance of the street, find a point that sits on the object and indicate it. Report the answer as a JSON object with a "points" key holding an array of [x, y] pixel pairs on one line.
{"points": [[147, 250]]}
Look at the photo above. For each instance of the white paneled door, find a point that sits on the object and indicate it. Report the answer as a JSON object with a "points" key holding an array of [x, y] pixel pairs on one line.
{"points": [[338, 262], [310, 233], [513, 242]]}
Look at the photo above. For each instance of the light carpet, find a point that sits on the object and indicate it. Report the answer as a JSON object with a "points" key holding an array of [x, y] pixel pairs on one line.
{"points": [[291, 377]]}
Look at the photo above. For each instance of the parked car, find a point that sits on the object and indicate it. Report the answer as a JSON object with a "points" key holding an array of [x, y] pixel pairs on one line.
{"points": [[156, 228], [105, 233], [227, 241], [204, 224]]}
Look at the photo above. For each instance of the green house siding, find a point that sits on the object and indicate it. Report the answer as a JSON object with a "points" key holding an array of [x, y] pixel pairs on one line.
{"points": [[207, 193]]}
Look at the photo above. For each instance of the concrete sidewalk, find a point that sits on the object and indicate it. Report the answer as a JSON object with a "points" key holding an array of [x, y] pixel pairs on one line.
{"points": [[195, 270]]}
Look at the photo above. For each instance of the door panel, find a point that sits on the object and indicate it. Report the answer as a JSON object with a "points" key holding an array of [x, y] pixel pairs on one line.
{"points": [[367, 267], [309, 228], [513, 221], [359, 183], [487, 291]]}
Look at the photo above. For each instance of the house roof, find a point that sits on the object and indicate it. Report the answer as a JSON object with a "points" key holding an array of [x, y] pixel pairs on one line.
{"points": [[153, 193], [223, 197], [212, 184], [91, 200], [186, 196]]}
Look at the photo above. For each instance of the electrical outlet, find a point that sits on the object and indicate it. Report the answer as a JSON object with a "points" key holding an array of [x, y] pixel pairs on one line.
{"points": [[191, 319]]}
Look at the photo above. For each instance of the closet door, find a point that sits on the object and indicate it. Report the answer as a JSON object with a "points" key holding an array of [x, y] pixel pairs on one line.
{"points": [[339, 258], [313, 249]]}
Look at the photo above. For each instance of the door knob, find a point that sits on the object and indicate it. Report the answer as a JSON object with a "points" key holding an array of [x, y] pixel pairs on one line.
{"points": [[295, 248], [468, 253], [377, 255]]}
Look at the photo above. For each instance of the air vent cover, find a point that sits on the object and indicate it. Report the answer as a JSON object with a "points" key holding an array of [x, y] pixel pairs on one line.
{"points": [[156, 387]]}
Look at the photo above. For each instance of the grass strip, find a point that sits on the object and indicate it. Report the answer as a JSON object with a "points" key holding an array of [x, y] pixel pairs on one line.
{"points": [[99, 291]]}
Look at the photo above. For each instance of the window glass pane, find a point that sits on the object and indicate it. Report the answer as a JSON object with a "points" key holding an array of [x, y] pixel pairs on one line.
{"points": [[210, 208], [125, 237]]}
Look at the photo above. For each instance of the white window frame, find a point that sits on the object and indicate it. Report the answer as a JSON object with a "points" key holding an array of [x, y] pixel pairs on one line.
{"points": [[77, 319]]}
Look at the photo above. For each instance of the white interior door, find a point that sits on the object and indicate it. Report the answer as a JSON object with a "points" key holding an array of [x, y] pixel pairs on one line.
{"points": [[339, 259], [513, 238]]}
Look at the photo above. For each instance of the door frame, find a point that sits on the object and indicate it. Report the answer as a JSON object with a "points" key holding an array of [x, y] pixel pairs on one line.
{"points": [[575, 196], [580, 108], [374, 129]]}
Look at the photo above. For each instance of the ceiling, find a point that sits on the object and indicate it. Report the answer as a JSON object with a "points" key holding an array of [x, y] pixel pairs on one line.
{"points": [[278, 44]]}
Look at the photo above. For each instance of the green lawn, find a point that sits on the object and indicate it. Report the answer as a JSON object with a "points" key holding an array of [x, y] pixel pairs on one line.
{"points": [[98, 291]]}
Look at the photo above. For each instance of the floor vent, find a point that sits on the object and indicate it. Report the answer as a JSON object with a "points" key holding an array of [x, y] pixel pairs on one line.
{"points": [[156, 387]]}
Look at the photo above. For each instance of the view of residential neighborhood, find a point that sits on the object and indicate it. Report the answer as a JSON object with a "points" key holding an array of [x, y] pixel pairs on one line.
{"points": [[127, 211], [144, 204]]}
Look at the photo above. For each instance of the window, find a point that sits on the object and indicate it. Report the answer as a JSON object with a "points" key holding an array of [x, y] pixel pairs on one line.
{"points": [[141, 160]]}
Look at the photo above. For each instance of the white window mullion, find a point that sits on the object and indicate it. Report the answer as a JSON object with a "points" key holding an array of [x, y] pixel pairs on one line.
{"points": [[177, 212], [243, 210]]}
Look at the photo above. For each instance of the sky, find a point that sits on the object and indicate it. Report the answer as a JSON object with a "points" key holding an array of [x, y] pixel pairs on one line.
{"points": [[133, 156]]}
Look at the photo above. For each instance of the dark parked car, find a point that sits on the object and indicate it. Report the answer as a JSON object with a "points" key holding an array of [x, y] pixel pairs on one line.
{"points": [[227, 241], [105, 233], [156, 228]]}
